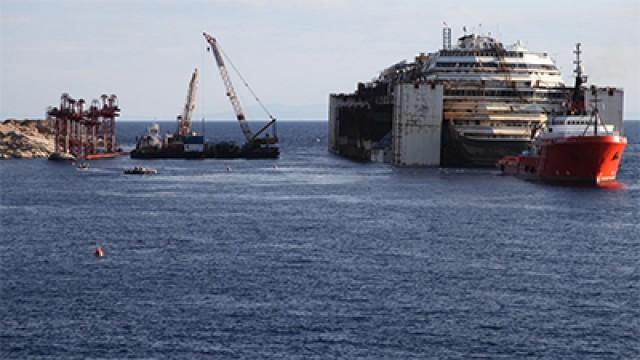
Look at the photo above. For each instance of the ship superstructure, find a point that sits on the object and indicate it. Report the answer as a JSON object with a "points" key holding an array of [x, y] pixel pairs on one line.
{"points": [[467, 105]]}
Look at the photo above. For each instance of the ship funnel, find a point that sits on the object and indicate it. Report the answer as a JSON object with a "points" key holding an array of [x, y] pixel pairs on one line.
{"points": [[446, 37]]}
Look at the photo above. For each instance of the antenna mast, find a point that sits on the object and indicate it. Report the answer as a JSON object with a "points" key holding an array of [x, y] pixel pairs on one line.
{"points": [[577, 99], [581, 78]]}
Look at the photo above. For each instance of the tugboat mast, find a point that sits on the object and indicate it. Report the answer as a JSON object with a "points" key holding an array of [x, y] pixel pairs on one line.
{"points": [[595, 111], [577, 98]]}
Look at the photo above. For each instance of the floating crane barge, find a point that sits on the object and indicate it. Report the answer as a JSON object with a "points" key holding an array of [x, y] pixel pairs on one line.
{"points": [[186, 143]]}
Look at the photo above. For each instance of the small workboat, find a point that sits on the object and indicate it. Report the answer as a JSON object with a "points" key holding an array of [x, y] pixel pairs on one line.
{"points": [[140, 170]]}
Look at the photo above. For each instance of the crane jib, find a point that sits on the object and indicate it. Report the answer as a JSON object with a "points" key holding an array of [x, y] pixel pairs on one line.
{"points": [[235, 102], [218, 57], [184, 126]]}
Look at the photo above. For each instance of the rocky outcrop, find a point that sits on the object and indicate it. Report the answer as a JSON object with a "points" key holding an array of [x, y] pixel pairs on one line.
{"points": [[26, 139]]}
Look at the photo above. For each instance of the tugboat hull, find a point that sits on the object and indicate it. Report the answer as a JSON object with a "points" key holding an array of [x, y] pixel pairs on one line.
{"points": [[97, 156], [588, 160], [585, 159]]}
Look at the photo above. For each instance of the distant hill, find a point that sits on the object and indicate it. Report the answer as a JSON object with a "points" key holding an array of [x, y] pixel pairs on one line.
{"points": [[25, 139]]}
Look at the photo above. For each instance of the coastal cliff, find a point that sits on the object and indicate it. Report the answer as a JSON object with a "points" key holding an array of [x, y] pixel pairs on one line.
{"points": [[26, 139]]}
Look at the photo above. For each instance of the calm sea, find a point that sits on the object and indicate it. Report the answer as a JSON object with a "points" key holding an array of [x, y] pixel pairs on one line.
{"points": [[318, 257]]}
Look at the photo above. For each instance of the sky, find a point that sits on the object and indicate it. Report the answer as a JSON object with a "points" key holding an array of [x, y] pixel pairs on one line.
{"points": [[293, 53]]}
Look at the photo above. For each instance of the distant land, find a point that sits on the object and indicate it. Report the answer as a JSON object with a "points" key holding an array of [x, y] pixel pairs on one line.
{"points": [[25, 139]]}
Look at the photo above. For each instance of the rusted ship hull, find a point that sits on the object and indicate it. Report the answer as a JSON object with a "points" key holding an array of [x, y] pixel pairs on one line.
{"points": [[360, 123], [463, 151], [457, 151]]}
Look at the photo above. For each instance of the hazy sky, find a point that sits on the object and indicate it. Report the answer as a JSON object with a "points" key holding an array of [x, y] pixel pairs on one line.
{"points": [[293, 53]]}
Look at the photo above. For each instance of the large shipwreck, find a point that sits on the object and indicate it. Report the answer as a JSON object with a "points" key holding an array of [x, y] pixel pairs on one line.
{"points": [[467, 105]]}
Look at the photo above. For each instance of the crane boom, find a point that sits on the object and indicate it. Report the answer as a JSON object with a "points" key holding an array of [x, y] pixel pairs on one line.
{"points": [[189, 106], [231, 92]]}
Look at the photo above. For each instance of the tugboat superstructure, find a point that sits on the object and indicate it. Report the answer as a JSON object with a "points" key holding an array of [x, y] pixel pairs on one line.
{"points": [[576, 147]]}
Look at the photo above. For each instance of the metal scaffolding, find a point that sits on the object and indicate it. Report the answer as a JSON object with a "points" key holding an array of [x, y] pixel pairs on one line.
{"points": [[84, 131]]}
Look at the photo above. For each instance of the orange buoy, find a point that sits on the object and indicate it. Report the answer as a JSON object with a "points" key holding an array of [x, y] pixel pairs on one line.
{"points": [[99, 252]]}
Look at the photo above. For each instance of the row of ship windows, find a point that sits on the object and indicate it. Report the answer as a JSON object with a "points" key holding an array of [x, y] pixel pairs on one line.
{"points": [[574, 122], [493, 124], [496, 65], [497, 136], [504, 93], [481, 53], [478, 71]]}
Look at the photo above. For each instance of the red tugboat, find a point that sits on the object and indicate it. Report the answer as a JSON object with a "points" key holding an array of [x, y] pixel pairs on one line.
{"points": [[574, 149], [559, 154]]}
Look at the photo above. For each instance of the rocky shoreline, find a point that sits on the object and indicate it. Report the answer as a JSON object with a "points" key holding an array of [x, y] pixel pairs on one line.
{"points": [[26, 139]]}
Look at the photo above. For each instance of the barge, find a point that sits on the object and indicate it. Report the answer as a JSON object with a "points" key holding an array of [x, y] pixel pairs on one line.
{"points": [[193, 146], [185, 143]]}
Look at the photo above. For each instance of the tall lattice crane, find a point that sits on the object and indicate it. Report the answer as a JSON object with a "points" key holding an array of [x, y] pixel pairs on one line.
{"points": [[235, 102], [184, 121]]}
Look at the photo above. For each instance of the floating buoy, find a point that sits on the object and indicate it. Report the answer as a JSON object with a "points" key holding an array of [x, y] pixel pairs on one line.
{"points": [[99, 252], [275, 167], [227, 168]]}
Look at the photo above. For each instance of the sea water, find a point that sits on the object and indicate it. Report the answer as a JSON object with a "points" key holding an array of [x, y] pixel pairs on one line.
{"points": [[314, 256]]}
